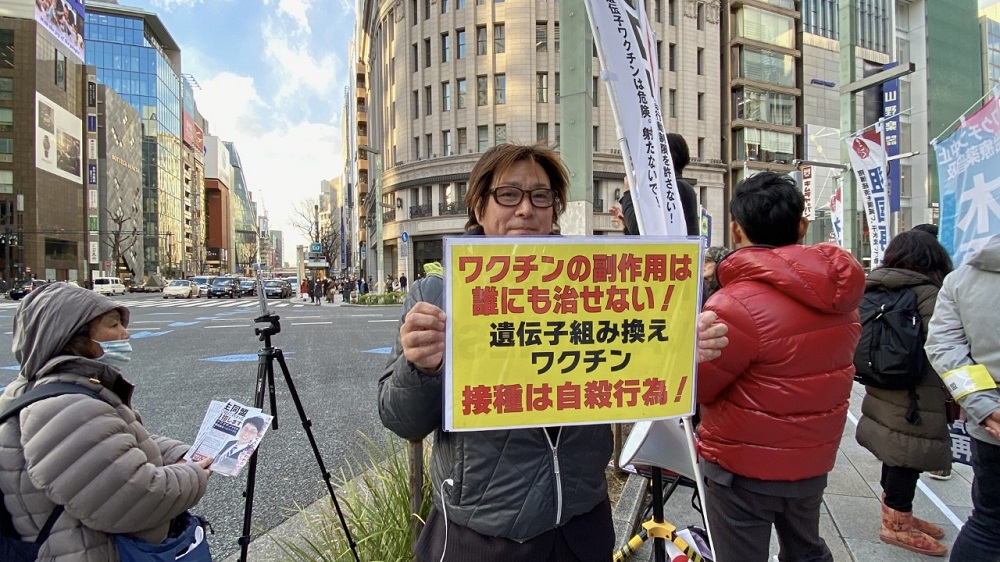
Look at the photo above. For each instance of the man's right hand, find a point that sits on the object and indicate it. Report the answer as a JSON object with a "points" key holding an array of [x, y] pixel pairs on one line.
{"points": [[422, 335]]}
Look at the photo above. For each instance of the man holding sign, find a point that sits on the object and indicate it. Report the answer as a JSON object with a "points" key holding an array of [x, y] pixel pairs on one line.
{"points": [[519, 494], [774, 405]]}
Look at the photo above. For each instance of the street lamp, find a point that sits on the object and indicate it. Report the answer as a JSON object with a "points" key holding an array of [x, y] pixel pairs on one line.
{"points": [[375, 196]]}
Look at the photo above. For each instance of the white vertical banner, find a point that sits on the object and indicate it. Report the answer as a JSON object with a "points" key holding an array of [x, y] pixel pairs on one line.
{"points": [[807, 192], [837, 212], [626, 47], [868, 163]]}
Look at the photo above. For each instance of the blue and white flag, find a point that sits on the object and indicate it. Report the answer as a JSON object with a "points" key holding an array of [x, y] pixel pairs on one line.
{"points": [[968, 168]]}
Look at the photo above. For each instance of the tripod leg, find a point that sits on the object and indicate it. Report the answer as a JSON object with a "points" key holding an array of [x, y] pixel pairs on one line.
{"points": [[307, 426], [270, 386], [263, 368], [659, 544]]}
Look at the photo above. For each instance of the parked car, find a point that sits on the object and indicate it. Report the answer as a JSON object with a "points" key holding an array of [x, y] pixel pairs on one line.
{"points": [[248, 287], [22, 288], [224, 287], [181, 289], [277, 288], [203, 282], [109, 286]]}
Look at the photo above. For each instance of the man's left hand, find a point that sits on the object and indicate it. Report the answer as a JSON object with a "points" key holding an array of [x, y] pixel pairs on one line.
{"points": [[711, 336]]}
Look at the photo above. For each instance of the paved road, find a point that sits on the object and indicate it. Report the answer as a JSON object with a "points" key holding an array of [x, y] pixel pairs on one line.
{"points": [[332, 352]]}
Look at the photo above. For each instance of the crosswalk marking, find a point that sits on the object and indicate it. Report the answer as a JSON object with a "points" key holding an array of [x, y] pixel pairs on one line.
{"points": [[181, 303]]}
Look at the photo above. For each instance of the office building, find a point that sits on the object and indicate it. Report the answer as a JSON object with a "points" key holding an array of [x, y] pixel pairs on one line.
{"points": [[219, 203], [438, 83], [244, 218], [136, 56], [43, 156]]}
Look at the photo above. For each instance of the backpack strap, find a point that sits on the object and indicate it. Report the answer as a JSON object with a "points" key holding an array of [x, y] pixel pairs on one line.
{"points": [[36, 394]]}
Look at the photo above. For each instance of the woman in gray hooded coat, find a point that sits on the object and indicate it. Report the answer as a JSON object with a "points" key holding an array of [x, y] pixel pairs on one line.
{"points": [[92, 456]]}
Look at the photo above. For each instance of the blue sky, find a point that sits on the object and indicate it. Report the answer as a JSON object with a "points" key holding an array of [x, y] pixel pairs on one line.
{"points": [[272, 76]]}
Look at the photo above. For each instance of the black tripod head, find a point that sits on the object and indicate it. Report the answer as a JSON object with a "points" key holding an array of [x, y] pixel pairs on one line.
{"points": [[273, 327]]}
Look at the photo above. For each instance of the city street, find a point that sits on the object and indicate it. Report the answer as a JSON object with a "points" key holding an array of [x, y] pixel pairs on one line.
{"points": [[189, 352]]}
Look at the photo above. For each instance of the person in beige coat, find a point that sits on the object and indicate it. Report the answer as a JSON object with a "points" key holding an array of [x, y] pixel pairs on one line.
{"points": [[909, 441], [92, 456]]}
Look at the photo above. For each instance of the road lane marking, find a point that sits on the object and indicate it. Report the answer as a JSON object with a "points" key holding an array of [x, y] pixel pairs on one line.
{"points": [[942, 507], [377, 321], [227, 326], [309, 323]]}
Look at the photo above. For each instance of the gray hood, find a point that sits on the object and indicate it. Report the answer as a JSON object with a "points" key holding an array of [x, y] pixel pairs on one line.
{"points": [[987, 258], [49, 316]]}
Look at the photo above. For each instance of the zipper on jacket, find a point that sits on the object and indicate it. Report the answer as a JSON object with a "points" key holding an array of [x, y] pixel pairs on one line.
{"points": [[555, 465]]}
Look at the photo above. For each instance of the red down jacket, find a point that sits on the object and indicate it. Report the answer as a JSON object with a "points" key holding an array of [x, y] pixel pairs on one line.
{"points": [[774, 405]]}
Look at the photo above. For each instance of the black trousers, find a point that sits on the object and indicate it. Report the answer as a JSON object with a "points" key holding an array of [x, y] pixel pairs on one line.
{"points": [[741, 521], [899, 485]]}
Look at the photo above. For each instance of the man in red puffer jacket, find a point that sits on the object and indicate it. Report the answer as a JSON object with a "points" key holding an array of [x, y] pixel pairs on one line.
{"points": [[774, 405]]}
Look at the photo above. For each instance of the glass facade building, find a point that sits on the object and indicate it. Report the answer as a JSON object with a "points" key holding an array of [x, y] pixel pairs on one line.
{"points": [[135, 56]]}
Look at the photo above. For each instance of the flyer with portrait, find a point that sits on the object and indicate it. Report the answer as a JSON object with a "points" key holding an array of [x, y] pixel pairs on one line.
{"points": [[229, 433]]}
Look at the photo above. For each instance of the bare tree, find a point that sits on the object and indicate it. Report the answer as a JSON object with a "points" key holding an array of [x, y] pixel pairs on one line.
{"points": [[303, 217], [246, 249], [119, 239]]}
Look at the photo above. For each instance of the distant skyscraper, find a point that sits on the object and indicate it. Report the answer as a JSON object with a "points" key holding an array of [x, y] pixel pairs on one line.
{"points": [[136, 56]]}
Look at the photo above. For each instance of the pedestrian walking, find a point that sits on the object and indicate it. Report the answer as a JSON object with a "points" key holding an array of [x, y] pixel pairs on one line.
{"points": [[505, 498], [89, 456], [774, 404], [907, 429], [710, 280], [963, 345], [402, 282]]}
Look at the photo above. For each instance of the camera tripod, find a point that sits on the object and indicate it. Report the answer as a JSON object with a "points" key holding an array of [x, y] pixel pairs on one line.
{"points": [[265, 383]]}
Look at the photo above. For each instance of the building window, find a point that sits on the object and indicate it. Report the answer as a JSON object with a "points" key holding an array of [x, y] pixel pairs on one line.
{"points": [[500, 89], [415, 110], [446, 96], [595, 90], [555, 36], [500, 133], [444, 7], [60, 69], [459, 4], [481, 87], [658, 10], [483, 134], [768, 107], [659, 55], [6, 119], [481, 40], [542, 87], [415, 57], [542, 132], [672, 57], [672, 11], [7, 148], [6, 181], [701, 149], [700, 61], [6, 48], [463, 140], [768, 27], [429, 144], [446, 143], [672, 103], [413, 10], [765, 66], [541, 37], [461, 92], [428, 102], [427, 9], [764, 146], [460, 43], [427, 52], [557, 133], [701, 16], [445, 47], [499, 43], [596, 136], [555, 87], [6, 89], [701, 106]]}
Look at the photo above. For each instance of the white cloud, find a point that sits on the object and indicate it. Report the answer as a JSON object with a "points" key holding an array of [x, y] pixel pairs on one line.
{"points": [[293, 63], [296, 9], [169, 5], [284, 160]]}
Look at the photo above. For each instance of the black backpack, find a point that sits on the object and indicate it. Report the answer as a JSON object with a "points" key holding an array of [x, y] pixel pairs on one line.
{"points": [[12, 548]]}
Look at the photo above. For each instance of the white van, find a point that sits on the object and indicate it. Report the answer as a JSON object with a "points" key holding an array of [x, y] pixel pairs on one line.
{"points": [[109, 286]]}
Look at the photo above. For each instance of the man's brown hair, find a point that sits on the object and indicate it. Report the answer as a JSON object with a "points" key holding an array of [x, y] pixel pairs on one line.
{"points": [[497, 160]]}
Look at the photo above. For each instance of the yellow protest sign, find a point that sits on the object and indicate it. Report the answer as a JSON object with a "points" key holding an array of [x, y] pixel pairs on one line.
{"points": [[562, 331]]}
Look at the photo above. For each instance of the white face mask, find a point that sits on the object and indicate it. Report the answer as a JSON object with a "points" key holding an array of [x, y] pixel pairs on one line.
{"points": [[116, 352]]}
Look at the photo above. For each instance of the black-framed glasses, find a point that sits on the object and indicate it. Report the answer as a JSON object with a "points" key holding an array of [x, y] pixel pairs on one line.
{"points": [[510, 196]]}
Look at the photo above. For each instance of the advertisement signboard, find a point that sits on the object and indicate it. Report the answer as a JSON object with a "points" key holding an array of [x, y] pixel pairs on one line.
{"points": [[193, 135], [807, 192], [58, 142], [64, 19], [890, 110]]}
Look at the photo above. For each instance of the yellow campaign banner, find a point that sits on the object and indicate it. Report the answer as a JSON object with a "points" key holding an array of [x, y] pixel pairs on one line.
{"points": [[555, 330]]}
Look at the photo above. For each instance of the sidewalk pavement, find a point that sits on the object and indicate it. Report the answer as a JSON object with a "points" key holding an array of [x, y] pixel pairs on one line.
{"points": [[849, 522], [851, 510]]}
